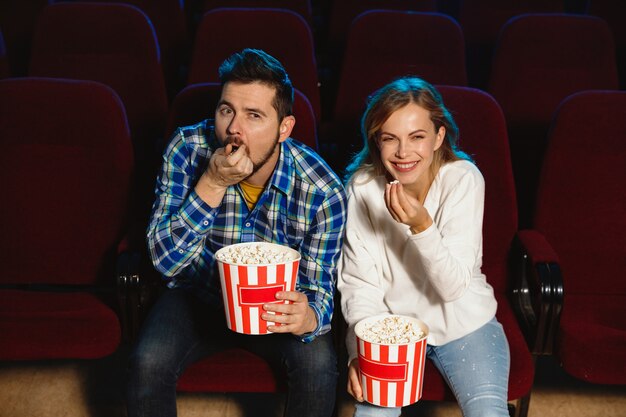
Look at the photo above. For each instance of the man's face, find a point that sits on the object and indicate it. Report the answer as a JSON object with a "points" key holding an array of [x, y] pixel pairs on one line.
{"points": [[245, 115]]}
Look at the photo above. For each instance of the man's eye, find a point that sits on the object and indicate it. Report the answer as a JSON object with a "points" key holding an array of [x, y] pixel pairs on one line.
{"points": [[225, 111]]}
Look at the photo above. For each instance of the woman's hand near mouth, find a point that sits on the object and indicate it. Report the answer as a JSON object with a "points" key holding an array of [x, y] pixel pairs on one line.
{"points": [[406, 209]]}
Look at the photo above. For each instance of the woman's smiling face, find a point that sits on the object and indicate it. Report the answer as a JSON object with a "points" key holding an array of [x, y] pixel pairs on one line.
{"points": [[407, 142]]}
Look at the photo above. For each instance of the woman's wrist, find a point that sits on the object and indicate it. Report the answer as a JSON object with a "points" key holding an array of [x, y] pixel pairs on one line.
{"points": [[422, 226]]}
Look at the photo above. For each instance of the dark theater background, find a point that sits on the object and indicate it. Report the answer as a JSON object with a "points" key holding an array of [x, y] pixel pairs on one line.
{"points": [[91, 91]]}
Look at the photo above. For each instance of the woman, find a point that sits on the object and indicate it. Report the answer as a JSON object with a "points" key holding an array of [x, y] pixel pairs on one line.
{"points": [[413, 246]]}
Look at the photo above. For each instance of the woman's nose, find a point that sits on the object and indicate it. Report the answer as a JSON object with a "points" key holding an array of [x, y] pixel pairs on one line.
{"points": [[401, 149]]}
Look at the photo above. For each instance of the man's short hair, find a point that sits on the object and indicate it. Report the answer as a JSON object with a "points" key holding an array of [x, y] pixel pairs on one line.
{"points": [[255, 65]]}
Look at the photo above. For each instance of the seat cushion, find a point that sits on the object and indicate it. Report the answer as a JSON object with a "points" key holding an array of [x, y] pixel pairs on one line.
{"points": [[51, 325], [233, 370], [592, 338]]}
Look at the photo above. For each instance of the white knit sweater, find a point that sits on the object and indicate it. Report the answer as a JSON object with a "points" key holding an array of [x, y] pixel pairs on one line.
{"points": [[434, 275]]}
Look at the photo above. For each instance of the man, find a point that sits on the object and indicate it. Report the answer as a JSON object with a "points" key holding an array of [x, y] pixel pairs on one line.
{"points": [[242, 179]]}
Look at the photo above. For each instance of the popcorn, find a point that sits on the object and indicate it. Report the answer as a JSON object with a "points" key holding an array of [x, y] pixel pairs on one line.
{"points": [[253, 255], [394, 182], [392, 330]]}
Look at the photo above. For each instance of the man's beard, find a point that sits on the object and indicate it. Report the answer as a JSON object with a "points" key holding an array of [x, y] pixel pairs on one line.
{"points": [[258, 165]]}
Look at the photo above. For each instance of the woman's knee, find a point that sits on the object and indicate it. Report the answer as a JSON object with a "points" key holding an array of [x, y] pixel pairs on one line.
{"points": [[485, 405]]}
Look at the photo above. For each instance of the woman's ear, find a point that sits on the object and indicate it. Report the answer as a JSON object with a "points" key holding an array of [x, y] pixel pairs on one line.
{"points": [[441, 134], [286, 127]]}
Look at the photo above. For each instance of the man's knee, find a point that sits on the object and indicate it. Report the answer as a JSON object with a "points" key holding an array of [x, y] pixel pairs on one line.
{"points": [[316, 362]]}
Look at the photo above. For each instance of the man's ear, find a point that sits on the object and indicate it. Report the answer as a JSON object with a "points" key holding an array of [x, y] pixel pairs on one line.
{"points": [[286, 127]]}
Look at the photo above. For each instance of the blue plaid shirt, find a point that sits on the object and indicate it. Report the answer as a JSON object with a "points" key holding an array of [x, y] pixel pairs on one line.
{"points": [[303, 206]]}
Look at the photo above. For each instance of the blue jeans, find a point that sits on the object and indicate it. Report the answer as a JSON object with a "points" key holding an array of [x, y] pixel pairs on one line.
{"points": [[181, 329], [476, 368]]}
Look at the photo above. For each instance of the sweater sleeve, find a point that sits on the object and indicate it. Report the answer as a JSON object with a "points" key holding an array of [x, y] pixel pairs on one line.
{"points": [[450, 250], [359, 277]]}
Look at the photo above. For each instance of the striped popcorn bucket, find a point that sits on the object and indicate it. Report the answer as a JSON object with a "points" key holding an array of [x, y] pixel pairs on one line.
{"points": [[246, 286], [392, 375]]}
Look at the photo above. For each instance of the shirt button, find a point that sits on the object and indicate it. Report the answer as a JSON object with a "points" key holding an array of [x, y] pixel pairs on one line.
{"points": [[248, 224], [181, 251], [206, 222]]}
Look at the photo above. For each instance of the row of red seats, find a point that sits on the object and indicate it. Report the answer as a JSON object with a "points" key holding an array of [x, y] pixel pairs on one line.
{"points": [[176, 22], [539, 60], [67, 284], [411, 43]]}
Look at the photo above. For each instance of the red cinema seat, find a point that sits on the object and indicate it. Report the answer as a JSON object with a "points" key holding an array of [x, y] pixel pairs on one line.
{"points": [[67, 166], [539, 60], [410, 44], [114, 44], [281, 33], [476, 112], [580, 220], [482, 21]]}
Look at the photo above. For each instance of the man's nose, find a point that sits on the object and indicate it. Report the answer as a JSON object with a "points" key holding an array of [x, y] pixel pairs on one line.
{"points": [[234, 126]]}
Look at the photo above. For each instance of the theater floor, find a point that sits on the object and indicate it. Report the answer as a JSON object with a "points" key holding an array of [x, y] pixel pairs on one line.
{"points": [[95, 389]]}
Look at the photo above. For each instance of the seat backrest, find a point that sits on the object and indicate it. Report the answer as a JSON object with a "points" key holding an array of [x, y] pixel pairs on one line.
{"points": [[539, 60], [343, 12], [281, 33], [483, 135], [482, 20], [542, 58], [581, 201], [66, 163], [302, 7], [614, 13], [17, 22], [410, 44], [170, 25], [111, 43], [4, 63], [197, 102]]}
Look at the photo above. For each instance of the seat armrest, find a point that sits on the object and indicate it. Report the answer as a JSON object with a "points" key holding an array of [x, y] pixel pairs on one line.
{"points": [[138, 286], [127, 267], [537, 290]]}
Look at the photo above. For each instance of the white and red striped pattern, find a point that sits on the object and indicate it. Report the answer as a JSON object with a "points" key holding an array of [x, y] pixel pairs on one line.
{"points": [[245, 288], [392, 375]]}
